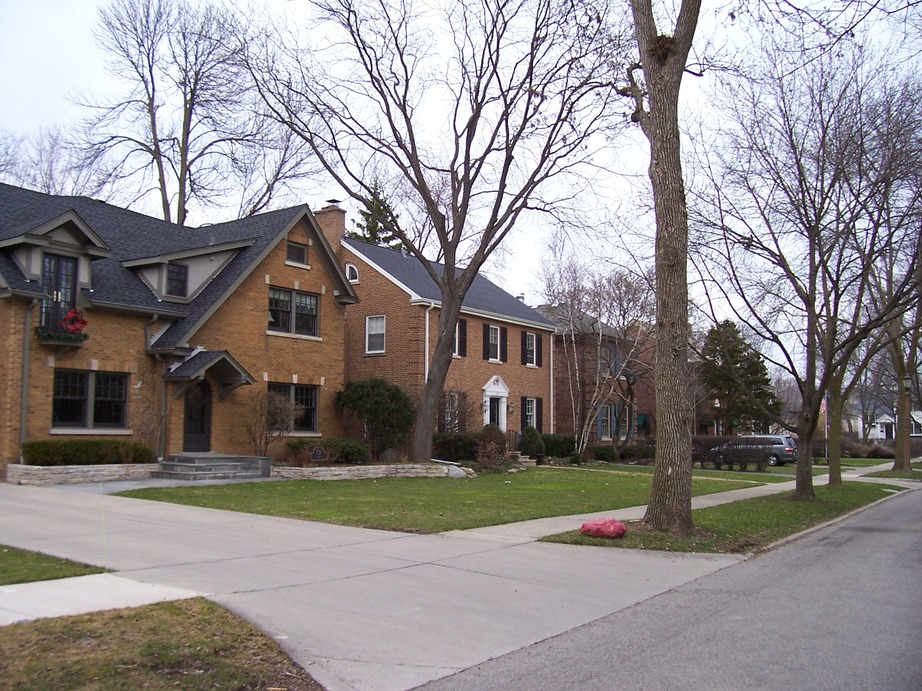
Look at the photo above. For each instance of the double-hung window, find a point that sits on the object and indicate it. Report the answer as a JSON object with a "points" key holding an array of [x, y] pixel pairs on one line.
{"points": [[291, 311], [530, 415], [374, 333], [89, 400], [604, 422], [305, 397]]}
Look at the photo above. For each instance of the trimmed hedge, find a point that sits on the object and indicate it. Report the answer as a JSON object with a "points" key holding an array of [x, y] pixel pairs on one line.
{"points": [[456, 446], [606, 454], [559, 445], [337, 450], [638, 452], [52, 452]]}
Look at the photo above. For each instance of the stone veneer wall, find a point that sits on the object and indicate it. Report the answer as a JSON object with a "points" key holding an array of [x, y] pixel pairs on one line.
{"points": [[72, 474], [362, 472]]}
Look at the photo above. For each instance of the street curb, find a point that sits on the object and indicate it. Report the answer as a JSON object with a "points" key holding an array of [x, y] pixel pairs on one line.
{"points": [[838, 519]]}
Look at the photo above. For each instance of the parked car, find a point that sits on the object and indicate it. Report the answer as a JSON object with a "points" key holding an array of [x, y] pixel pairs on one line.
{"points": [[760, 449]]}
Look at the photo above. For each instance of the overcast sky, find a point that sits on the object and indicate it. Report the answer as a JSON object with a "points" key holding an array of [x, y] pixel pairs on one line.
{"points": [[49, 57]]}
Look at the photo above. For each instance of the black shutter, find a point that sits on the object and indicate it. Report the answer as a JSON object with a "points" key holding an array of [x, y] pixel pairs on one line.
{"points": [[524, 422], [486, 341], [539, 350], [462, 337], [503, 343], [524, 348], [539, 414]]}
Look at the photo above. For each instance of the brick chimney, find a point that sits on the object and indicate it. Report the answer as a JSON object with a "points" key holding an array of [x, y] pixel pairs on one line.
{"points": [[332, 221]]}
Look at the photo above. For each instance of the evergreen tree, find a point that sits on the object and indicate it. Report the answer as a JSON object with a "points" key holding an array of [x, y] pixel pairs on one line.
{"points": [[736, 375], [378, 221]]}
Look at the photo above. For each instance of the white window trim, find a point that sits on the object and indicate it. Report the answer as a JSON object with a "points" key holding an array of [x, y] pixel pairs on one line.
{"points": [[353, 267], [383, 333]]}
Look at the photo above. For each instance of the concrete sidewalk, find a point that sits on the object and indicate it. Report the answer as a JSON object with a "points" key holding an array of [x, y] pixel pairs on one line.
{"points": [[358, 609]]}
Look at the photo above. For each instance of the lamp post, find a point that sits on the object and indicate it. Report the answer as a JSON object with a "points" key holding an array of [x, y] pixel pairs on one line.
{"points": [[903, 426]]}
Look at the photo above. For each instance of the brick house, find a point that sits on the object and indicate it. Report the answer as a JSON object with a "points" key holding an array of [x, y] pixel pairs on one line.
{"points": [[502, 370], [600, 376], [181, 324]]}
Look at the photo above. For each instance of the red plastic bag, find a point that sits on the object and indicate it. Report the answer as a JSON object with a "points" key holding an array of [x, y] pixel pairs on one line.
{"points": [[603, 527]]}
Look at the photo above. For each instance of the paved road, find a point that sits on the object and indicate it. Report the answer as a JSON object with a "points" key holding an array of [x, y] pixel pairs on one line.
{"points": [[358, 609], [838, 609]]}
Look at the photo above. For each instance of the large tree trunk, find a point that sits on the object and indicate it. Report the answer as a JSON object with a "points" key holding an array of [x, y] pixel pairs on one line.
{"points": [[663, 60], [834, 431], [806, 427], [435, 383]]}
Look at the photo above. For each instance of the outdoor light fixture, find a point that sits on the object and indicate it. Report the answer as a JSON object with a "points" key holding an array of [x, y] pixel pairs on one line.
{"points": [[907, 383]]}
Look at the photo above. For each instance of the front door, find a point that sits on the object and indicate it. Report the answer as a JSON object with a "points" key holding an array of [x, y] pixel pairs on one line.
{"points": [[197, 424]]}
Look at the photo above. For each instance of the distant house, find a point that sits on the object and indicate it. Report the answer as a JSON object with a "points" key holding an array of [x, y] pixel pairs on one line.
{"points": [[179, 322], [599, 384], [502, 368]]}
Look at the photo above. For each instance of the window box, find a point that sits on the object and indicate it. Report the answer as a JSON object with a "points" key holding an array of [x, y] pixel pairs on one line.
{"points": [[60, 339]]}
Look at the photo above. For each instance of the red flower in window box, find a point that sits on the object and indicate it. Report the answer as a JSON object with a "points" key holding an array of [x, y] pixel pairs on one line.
{"points": [[74, 322]]}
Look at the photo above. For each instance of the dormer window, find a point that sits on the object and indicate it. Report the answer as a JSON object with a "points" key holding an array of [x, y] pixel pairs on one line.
{"points": [[177, 280], [296, 253]]}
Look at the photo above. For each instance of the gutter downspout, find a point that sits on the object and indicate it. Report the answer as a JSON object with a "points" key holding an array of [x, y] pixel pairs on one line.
{"points": [[553, 416], [161, 431], [426, 352], [26, 350]]}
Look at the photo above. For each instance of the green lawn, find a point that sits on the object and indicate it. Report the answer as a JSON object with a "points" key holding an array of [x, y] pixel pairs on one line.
{"points": [[744, 526], [22, 566], [427, 505]]}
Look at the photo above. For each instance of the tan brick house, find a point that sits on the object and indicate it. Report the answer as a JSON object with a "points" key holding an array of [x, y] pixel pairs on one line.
{"points": [[502, 370], [180, 324]]}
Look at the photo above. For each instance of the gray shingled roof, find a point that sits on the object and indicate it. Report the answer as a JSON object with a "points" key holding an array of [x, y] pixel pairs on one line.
{"points": [[132, 236], [483, 297]]}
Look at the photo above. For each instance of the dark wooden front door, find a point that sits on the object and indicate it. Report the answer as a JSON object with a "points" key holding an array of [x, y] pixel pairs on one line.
{"points": [[197, 425]]}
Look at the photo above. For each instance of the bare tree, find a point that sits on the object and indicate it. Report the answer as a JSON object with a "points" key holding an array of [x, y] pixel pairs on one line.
{"points": [[270, 417], [48, 161], [789, 246], [187, 128], [472, 113], [604, 322]]}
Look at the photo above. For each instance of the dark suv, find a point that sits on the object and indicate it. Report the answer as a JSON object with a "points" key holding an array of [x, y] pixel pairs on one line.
{"points": [[761, 449]]}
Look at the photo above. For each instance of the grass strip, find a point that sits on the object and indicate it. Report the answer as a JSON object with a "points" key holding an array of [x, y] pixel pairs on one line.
{"points": [[747, 525], [428, 505], [190, 644], [23, 566]]}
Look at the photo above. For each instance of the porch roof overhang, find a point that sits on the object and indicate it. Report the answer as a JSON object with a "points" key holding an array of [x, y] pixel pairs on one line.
{"points": [[219, 363]]}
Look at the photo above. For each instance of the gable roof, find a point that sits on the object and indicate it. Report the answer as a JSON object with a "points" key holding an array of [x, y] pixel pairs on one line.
{"points": [[581, 322], [483, 299], [133, 239]]}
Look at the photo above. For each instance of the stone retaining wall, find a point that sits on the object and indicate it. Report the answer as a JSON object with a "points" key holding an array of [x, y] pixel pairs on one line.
{"points": [[362, 472], [73, 474]]}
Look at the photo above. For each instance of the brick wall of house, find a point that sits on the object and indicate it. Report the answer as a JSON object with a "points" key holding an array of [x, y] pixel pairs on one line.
{"points": [[240, 326], [115, 344], [11, 316], [404, 332], [472, 372]]}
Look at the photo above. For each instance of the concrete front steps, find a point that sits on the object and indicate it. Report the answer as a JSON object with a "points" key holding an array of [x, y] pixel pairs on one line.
{"points": [[213, 466]]}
